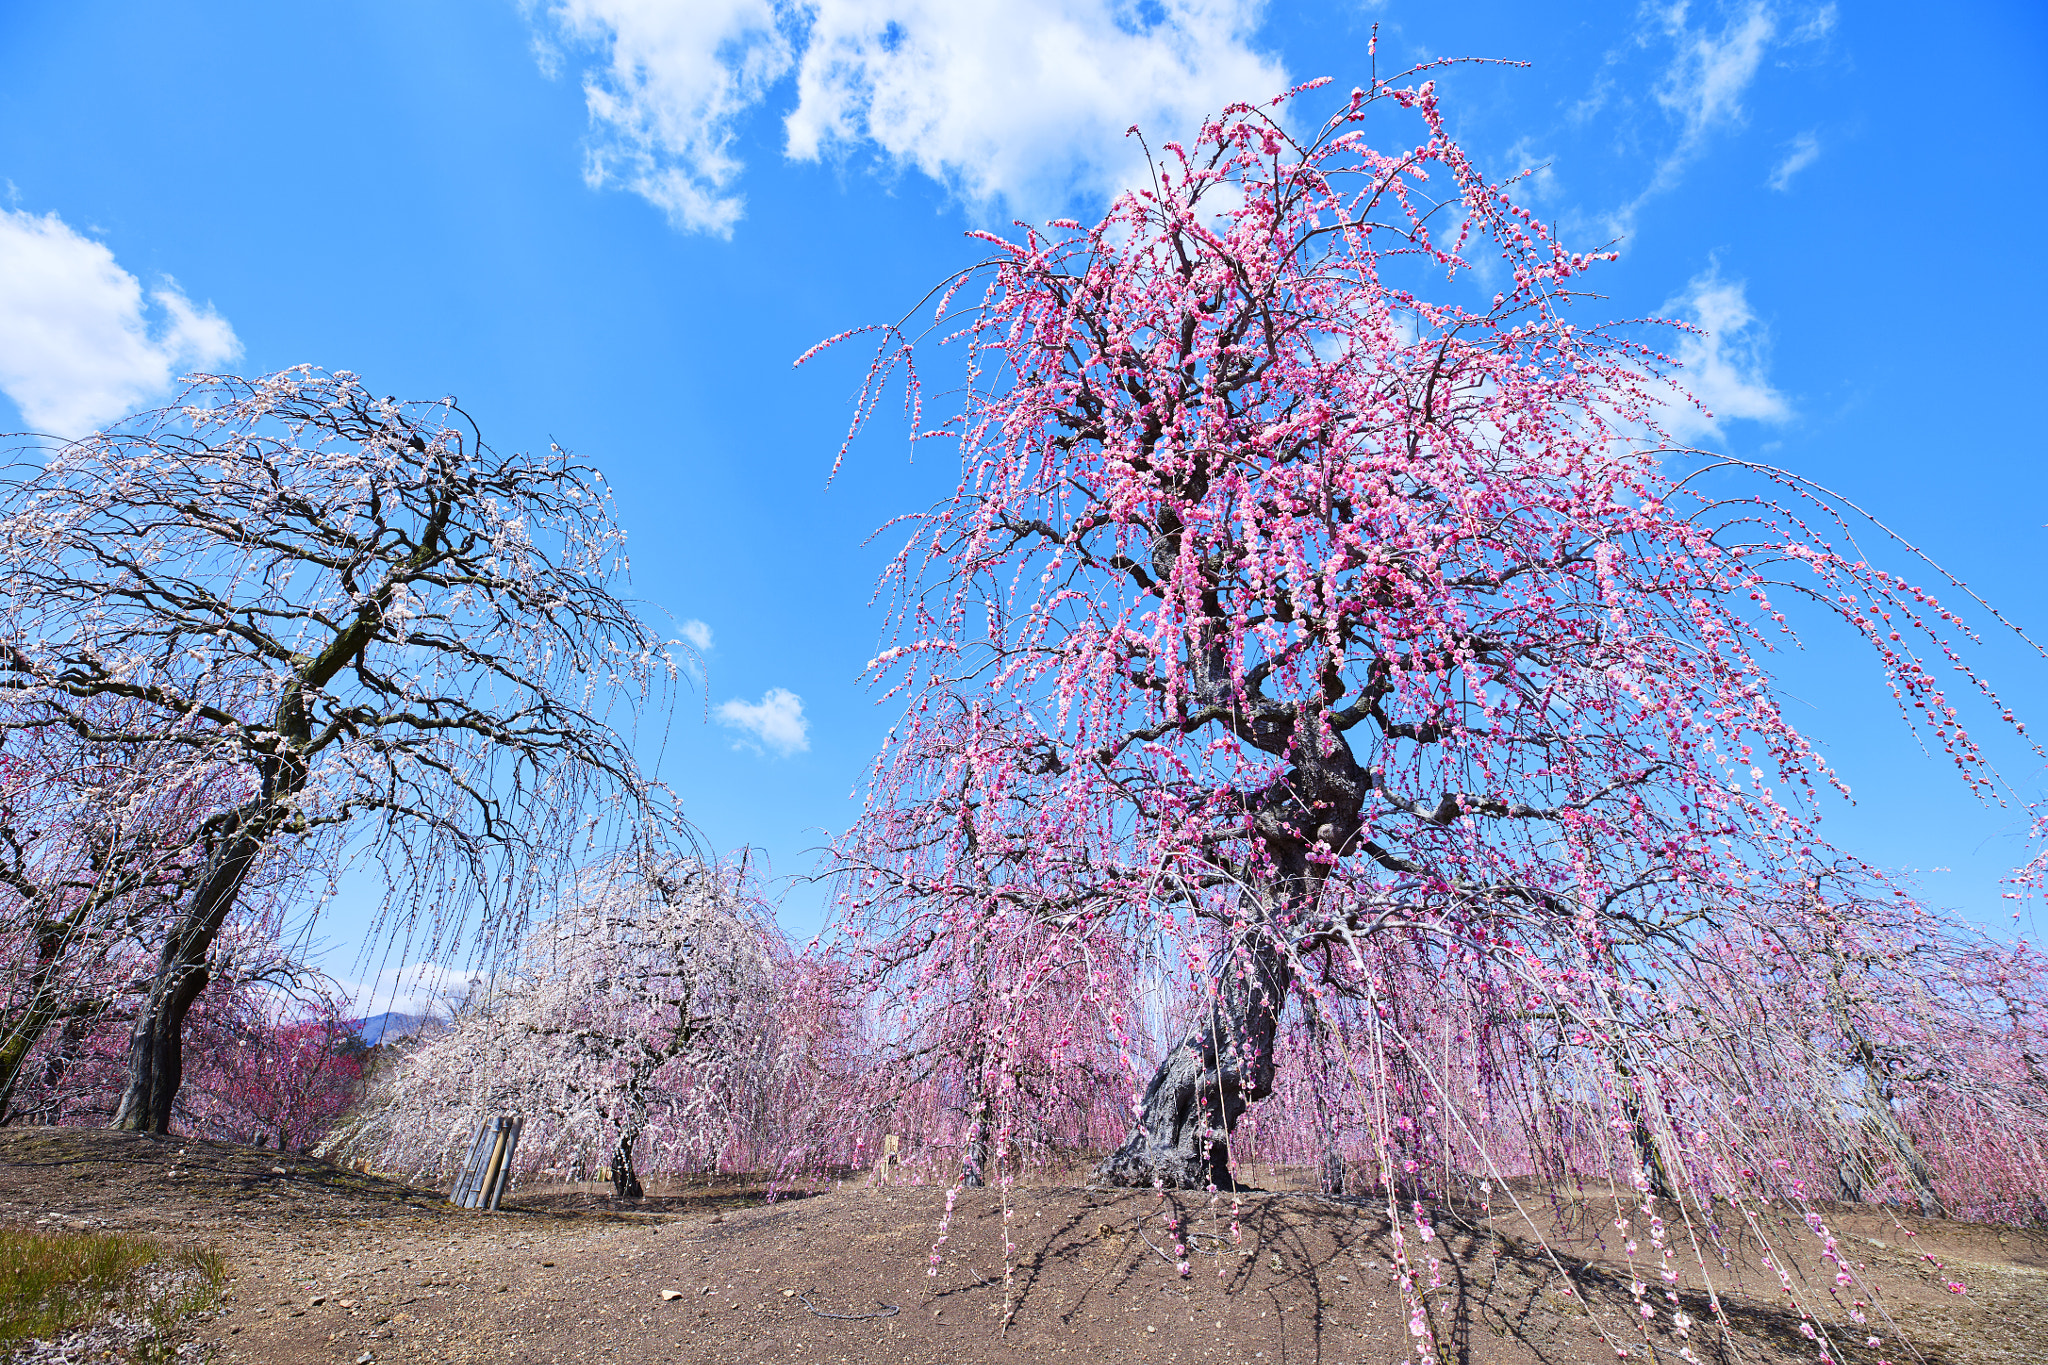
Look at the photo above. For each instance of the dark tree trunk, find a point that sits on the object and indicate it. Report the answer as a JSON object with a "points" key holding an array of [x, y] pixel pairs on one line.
{"points": [[1226, 1064], [1202, 1088], [974, 1158], [974, 1161], [156, 1056], [625, 1183], [58, 1062], [1880, 1119], [1649, 1155], [1206, 1083], [1883, 1124], [1850, 1177], [45, 999], [156, 1046], [25, 1031]]}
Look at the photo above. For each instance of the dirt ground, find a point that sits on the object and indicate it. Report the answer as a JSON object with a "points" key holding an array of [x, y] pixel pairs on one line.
{"points": [[328, 1265]]}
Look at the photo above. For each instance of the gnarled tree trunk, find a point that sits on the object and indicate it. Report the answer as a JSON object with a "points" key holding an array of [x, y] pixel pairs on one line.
{"points": [[46, 989], [1883, 1124], [24, 1030], [1226, 1063], [1207, 1082], [156, 1047], [1879, 1118]]}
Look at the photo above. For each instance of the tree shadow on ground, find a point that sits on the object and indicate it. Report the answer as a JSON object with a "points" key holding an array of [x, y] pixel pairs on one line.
{"points": [[1321, 1271]]}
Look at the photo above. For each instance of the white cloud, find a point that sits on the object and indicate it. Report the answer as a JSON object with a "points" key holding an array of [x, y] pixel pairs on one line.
{"points": [[675, 78], [1026, 103], [1022, 104], [1725, 363], [776, 721], [698, 634], [1803, 152], [1702, 89], [78, 346]]}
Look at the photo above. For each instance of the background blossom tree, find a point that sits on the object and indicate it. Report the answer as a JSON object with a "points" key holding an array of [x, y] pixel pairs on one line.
{"points": [[96, 840], [645, 1006], [272, 1059], [271, 1069], [354, 621], [993, 1027], [1293, 641]]}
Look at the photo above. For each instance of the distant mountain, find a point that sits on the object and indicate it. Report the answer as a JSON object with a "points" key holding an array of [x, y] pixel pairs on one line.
{"points": [[389, 1026]]}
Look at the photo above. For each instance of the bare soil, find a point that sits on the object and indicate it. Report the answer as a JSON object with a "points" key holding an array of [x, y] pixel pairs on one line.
{"points": [[329, 1265]]}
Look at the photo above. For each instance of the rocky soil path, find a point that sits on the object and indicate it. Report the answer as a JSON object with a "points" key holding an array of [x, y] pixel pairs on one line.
{"points": [[329, 1265]]}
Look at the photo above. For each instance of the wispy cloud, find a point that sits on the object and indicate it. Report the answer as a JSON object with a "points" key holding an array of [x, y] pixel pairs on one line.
{"points": [[1802, 152], [79, 345], [1711, 72], [776, 722], [698, 635], [1818, 25], [1022, 105], [1705, 81], [1725, 363]]}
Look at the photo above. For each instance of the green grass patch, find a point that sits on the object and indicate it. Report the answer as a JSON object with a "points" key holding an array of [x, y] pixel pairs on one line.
{"points": [[55, 1282]]}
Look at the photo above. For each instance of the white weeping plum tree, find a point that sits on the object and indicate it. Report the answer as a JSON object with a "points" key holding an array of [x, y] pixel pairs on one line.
{"points": [[645, 1006], [359, 625]]}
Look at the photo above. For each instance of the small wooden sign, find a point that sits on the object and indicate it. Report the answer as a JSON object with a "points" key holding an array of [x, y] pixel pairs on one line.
{"points": [[891, 1155]]}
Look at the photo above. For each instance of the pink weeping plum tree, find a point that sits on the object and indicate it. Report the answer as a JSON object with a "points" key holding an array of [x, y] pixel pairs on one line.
{"points": [[1357, 674], [93, 845], [988, 1022]]}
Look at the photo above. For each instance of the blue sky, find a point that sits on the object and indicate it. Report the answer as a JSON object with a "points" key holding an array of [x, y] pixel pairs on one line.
{"points": [[614, 223]]}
